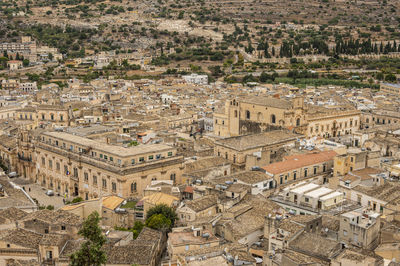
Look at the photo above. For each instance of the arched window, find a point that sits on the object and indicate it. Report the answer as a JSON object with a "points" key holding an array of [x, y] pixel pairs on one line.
{"points": [[236, 113], [297, 122], [273, 119], [247, 114], [133, 187]]}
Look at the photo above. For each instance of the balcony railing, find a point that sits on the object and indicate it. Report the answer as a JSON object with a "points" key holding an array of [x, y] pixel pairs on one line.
{"points": [[23, 158]]}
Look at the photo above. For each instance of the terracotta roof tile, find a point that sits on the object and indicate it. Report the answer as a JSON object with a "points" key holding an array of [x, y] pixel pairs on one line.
{"points": [[298, 161]]}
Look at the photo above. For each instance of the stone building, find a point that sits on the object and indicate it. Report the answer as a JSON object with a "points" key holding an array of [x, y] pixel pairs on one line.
{"points": [[257, 114], [48, 222], [360, 228], [78, 166], [393, 89], [43, 115], [302, 166], [379, 117], [197, 208], [8, 152], [259, 149]]}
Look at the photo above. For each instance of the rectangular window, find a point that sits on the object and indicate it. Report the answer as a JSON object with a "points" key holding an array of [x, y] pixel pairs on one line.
{"points": [[111, 159], [101, 156], [344, 232], [86, 176], [170, 153], [158, 156], [133, 161], [151, 157], [50, 164], [66, 172], [141, 159], [104, 183], [105, 157], [58, 166], [114, 186], [75, 172], [95, 180], [43, 161], [119, 161]]}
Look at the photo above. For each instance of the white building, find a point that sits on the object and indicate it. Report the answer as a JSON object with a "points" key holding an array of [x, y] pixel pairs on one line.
{"points": [[196, 79]]}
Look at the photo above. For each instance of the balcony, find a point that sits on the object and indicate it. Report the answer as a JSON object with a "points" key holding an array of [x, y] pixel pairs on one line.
{"points": [[24, 158]]}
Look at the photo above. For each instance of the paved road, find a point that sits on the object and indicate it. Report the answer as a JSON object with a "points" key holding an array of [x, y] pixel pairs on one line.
{"points": [[38, 193]]}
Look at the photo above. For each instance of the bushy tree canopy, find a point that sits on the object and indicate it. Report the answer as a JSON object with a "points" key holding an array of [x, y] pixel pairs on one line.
{"points": [[91, 252]]}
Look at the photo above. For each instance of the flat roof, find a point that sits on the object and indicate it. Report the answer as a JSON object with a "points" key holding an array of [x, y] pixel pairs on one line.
{"points": [[318, 192], [305, 188], [112, 149], [331, 195], [351, 214]]}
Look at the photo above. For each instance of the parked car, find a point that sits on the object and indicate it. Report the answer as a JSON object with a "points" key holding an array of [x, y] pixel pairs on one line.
{"points": [[12, 174], [50, 193]]}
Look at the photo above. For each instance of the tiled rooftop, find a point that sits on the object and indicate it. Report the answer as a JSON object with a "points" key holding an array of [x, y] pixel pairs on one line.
{"points": [[247, 142], [202, 203], [299, 161]]}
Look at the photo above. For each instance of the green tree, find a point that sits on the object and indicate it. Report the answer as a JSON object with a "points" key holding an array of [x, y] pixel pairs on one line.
{"points": [[390, 77], [163, 209], [159, 222], [90, 253], [379, 76], [25, 62]]}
